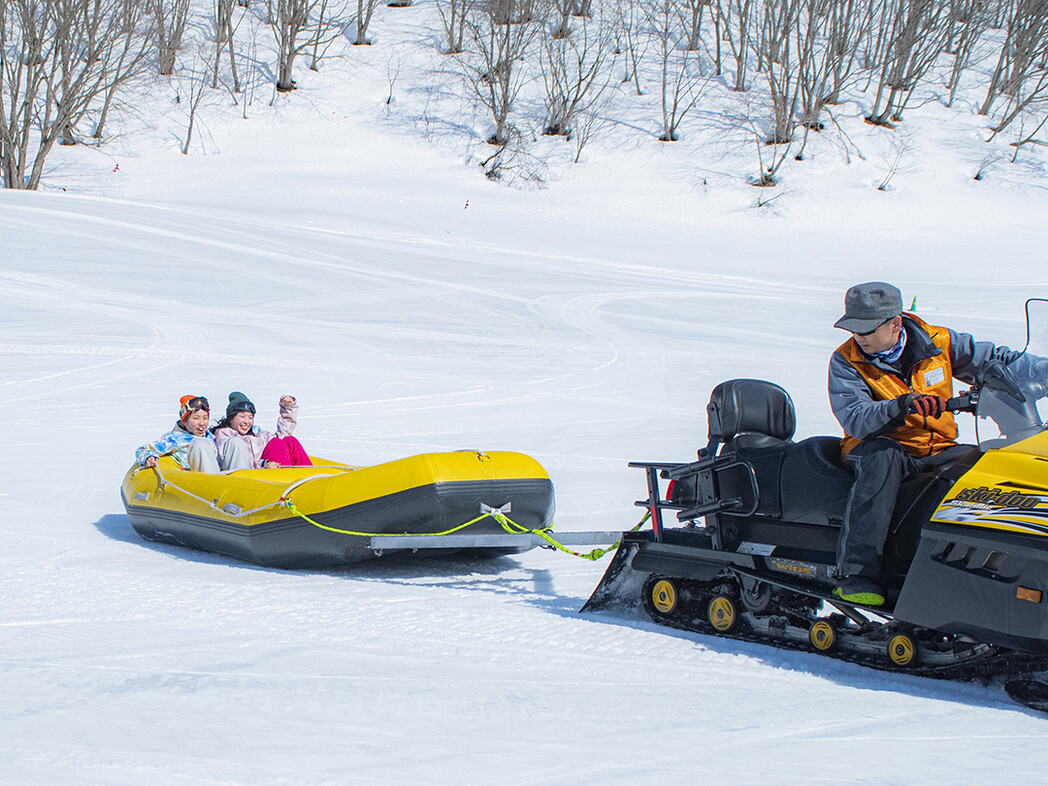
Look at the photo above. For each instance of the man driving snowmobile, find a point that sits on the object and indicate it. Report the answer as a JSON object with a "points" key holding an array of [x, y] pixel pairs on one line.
{"points": [[888, 386]]}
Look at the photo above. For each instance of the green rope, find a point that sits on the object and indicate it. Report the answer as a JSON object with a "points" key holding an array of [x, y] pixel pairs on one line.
{"points": [[593, 555], [506, 523], [291, 506]]}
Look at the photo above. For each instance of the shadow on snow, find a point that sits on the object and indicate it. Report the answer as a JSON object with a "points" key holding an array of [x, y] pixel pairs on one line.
{"points": [[501, 575], [506, 576]]}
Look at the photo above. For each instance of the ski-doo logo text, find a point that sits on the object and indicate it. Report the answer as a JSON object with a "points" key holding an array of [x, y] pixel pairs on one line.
{"points": [[998, 498]]}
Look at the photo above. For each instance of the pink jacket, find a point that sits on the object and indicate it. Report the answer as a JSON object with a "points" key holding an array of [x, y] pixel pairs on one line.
{"points": [[257, 438]]}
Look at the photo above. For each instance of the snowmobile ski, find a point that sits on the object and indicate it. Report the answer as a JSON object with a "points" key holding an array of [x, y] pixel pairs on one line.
{"points": [[1031, 693]]}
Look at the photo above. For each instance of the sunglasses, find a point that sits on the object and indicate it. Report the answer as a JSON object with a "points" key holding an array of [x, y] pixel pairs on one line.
{"points": [[871, 332]]}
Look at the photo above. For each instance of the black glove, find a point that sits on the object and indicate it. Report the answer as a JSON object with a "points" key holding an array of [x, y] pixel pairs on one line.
{"points": [[925, 404]]}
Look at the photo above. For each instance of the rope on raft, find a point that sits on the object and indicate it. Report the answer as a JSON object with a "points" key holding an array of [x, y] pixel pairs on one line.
{"points": [[496, 513], [505, 521], [234, 511]]}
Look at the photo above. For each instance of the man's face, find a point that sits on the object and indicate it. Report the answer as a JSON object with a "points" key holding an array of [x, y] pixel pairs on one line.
{"points": [[881, 339]]}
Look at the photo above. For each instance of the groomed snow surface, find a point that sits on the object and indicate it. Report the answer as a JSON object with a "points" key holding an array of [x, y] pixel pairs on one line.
{"points": [[330, 253]]}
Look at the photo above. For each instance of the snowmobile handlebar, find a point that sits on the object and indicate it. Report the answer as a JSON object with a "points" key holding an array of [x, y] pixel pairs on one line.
{"points": [[994, 377], [963, 402]]}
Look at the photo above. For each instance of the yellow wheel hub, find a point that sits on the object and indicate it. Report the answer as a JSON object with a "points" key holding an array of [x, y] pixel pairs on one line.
{"points": [[721, 613], [822, 635], [902, 650], [664, 596]]}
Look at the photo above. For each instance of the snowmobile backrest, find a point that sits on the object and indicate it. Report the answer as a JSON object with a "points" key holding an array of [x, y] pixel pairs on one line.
{"points": [[761, 410]]}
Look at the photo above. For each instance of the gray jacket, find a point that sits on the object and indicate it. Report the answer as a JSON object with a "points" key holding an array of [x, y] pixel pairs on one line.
{"points": [[863, 417]]}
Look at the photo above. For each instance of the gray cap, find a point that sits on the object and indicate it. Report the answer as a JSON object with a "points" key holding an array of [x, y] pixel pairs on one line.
{"points": [[866, 306]]}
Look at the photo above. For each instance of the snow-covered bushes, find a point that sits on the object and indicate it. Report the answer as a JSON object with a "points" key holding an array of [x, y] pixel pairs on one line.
{"points": [[520, 69]]}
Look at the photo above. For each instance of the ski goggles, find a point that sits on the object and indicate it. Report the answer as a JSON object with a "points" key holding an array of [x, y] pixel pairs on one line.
{"points": [[191, 404], [240, 406]]}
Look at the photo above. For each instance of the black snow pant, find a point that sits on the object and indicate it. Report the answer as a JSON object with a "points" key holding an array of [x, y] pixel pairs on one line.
{"points": [[880, 465]]}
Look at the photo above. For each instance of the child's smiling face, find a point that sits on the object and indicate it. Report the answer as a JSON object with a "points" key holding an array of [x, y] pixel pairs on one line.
{"points": [[241, 422], [196, 422]]}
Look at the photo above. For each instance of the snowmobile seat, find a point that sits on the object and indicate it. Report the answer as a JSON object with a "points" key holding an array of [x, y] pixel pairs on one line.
{"points": [[815, 484], [755, 420], [749, 413]]}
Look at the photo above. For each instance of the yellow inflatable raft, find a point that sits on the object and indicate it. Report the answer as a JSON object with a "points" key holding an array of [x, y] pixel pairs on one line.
{"points": [[330, 513]]}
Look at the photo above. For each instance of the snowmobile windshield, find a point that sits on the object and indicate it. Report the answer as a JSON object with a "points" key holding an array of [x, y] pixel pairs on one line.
{"points": [[1013, 398]]}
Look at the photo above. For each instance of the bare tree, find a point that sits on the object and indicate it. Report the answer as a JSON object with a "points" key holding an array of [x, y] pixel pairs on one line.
{"points": [[735, 22], [574, 76], [224, 31], [777, 63], [678, 67], [1024, 52], [826, 35], [917, 37], [968, 21], [169, 25], [1026, 137], [290, 18], [562, 13], [1031, 96], [131, 58], [324, 33], [630, 42], [56, 58], [768, 172], [717, 65], [501, 32], [365, 10], [847, 25], [813, 59], [196, 89], [586, 123], [253, 78], [453, 15], [690, 13], [296, 31]]}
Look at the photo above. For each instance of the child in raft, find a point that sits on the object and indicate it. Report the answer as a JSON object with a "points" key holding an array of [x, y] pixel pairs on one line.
{"points": [[243, 445], [189, 442]]}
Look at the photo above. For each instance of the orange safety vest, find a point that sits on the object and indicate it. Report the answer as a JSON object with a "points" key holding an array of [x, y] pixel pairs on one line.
{"points": [[919, 435]]}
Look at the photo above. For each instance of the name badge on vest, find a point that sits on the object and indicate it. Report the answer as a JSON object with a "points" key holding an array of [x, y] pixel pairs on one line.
{"points": [[934, 376]]}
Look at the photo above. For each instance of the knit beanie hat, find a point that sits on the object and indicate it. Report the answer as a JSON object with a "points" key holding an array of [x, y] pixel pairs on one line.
{"points": [[187, 405], [238, 402]]}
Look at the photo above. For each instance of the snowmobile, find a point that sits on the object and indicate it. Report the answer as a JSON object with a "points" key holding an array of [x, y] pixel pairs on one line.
{"points": [[965, 566]]}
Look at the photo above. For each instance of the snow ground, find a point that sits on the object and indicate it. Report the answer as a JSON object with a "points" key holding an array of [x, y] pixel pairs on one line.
{"points": [[314, 251]]}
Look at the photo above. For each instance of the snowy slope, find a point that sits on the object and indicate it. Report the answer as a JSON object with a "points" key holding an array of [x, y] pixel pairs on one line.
{"points": [[130, 662], [583, 323]]}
